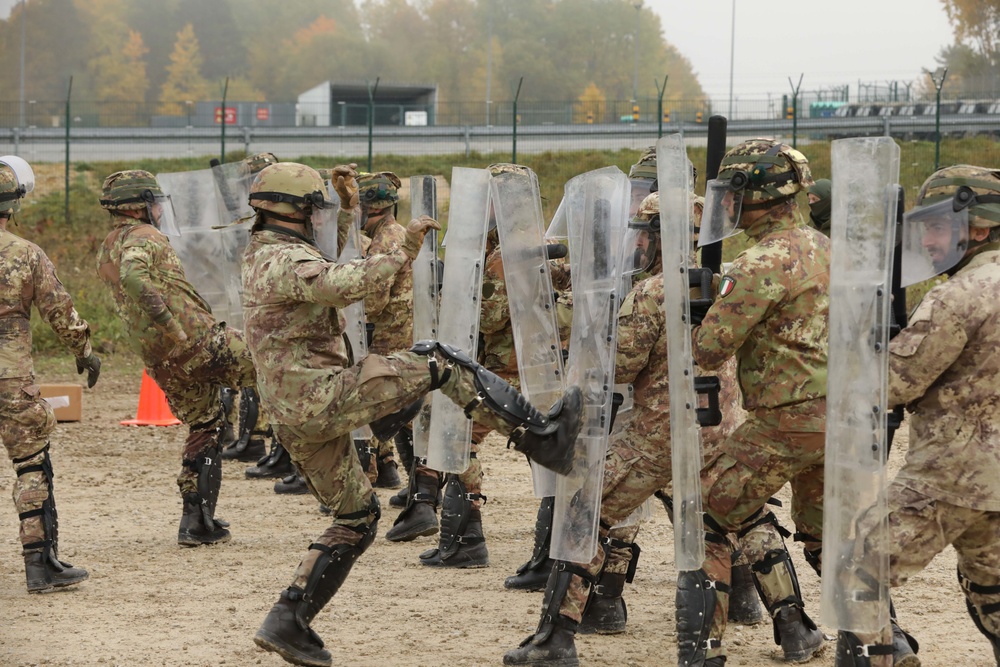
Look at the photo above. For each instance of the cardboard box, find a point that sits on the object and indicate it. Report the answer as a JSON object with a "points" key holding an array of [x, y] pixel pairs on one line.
{"points": [[65, 399]]}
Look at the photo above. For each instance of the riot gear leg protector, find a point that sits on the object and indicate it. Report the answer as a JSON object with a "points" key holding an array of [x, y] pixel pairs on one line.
{"points": [[697, 597], [198, 523], [286, 628], [532, 575], [249, 446], [606, 612], [744, 605], [419, 517], [462, 544], [42, 567], [991, 609], [227, 397], [552, 644]]}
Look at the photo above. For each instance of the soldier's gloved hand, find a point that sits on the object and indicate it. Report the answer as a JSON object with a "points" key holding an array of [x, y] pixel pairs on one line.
{"points": [[92, 365], [699, 309], [415, 232], [174, 336], [555, 251], [344, 179]]}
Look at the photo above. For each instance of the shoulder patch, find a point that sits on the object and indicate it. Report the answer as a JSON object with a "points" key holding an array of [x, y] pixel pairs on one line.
{"points": [[726, 286]]}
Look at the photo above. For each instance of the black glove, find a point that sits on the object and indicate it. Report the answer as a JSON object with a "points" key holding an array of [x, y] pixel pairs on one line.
{"points": [[92, 365], [555, 251], [699, 308]]}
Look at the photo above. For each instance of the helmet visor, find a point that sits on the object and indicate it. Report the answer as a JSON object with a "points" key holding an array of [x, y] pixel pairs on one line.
{"points": [[641, 187], [641, 246], [721, 216], [161, 213], [22, 172], [935, 239]]}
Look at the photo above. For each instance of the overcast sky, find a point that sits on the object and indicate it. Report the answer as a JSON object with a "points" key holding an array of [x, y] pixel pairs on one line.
{"points": [[830, 42]]}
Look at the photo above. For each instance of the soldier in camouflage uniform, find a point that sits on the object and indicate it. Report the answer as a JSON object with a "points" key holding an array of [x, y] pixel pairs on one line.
{"points": [[772, 314], [172, 329], [820, 201], [26, 420], [389, 311], [945, 368], [292, 294]]}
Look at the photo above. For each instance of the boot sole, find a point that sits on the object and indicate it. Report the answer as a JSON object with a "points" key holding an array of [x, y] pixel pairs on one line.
{"points": [[562, 662], [273, 645], [512, 584], [420, 531], [276, 474], [806, 656], [600, 630], [195, 542], [54, 586], [444, 564]]}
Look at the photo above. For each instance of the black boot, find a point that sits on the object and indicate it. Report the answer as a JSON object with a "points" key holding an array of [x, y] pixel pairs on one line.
{"points": [[399, 498], [744, 604], [404, 447], [293, 485], [606, 612], [532, 575], [226, 397], [197, 526], [551, 443], [798, 636], [249, 445], [250, 449], [462, 544], [419, 518], [275, 465], [286, 628], [388, 476], [904, 648], [552, 644], [45, 572]]}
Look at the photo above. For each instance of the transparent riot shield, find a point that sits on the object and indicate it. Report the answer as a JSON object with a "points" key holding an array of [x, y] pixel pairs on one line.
{"points": [[677, 244], [518, 207], [855, 589], [556, 231], [423, 201], [458, 317], [596, 215], [232, 183], [211, 261]]}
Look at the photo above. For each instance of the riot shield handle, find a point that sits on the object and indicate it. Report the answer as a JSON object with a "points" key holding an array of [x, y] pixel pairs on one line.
{"points": [[708, 386], [701, 279], [555, 251], [617, 399]]}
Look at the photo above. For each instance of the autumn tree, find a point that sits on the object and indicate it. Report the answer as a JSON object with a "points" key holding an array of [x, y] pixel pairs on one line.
{"points": [[184, 78], [973, 61], [590, 106]]}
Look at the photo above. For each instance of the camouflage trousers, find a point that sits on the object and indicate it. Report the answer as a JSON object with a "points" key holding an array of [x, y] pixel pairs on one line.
{"points": [[323, 449], [920, 527], [192, 386], [771, 448], [25, 424]]}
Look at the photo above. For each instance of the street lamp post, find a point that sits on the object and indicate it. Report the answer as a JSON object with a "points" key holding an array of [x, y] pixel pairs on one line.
{"points": [[635, 45], [938, 78], [21, 98], [732, 52]]}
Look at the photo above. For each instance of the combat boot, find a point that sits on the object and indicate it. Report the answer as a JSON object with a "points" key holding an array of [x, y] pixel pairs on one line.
{"points": [[45, 572], [462, 544], [250, 448], [398, 499], [798, 636], [606, 612], [388, 476], [532, 575], [744, 604], [275, 465], [282, 634], [197, 526], [904, 648], [293, 485], [557, 649], [419, 518]]}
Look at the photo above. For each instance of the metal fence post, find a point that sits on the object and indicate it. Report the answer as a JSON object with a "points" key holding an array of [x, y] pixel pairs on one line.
{"points": [[659, 104], [513, 150], [247, 131], [467, 134], [17, 141], [371, 118], [225, 91], [69, 92]]}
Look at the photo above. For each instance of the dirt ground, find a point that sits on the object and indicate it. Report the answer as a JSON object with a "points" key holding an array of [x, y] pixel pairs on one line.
{"points": [[151, 602]]}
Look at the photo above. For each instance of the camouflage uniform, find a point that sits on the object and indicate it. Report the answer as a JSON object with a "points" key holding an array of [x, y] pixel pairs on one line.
{"points": [[772, 314], [154, 299], [26, 420]]}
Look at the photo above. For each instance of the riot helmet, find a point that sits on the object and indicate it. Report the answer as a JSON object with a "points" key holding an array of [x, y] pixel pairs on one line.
{"points": [[138, 191], [936, 234], [290, 192], [16, 180], [642, 239], [378, 191], [757, 174]]}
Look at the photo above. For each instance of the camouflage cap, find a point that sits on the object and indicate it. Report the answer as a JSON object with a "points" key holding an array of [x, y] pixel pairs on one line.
{"points": [[646, 166], [378, 190], [772, 171], [943, 184], [649, 208], [125, 190], [258, 161], [10, 194]]}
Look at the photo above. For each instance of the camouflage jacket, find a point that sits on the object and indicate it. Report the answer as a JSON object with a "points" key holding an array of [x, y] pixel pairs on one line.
{"points": [[772, 312], [291, 297], [27, 278], [390, 308], [945, 366], [149, 289]]}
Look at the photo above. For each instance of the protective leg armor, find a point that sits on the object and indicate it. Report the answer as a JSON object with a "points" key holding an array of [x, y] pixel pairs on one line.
{"points": [[991, 609], [249, 445], [697, 597], [286, 629], [744, 605], [552, 644], [42, 567], [404, 447], [198, 522], [461, 544], [419, 517], [227, 397], [532, 575], [548, 440], [606, 612]]}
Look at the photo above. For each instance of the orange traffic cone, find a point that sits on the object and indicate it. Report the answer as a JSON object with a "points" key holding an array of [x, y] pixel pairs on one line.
{"points": [[153, 408]]}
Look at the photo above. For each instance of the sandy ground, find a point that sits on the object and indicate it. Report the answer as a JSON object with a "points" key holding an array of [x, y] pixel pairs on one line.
{"points": [[150, 602]]}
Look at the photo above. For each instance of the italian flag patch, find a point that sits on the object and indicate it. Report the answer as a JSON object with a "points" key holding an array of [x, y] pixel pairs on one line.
{"points": [[726, 286]]}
